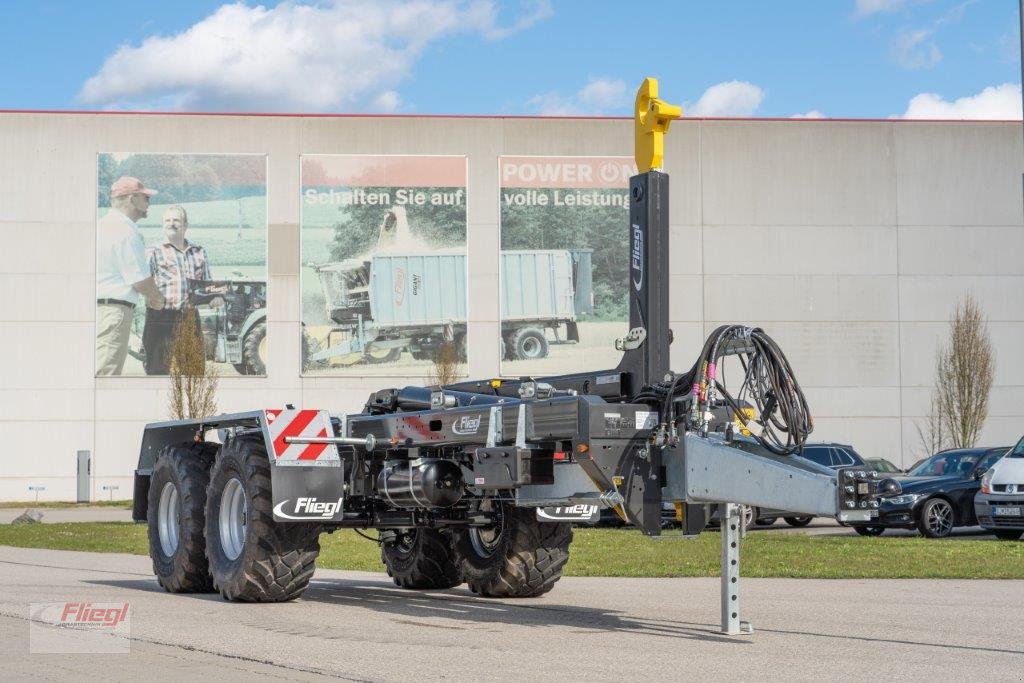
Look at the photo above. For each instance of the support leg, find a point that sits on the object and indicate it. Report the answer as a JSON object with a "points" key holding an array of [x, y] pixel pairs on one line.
{"points": [[731, 521]]}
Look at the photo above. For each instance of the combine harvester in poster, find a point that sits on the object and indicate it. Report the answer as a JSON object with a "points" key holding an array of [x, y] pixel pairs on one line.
{"points": [[384, 286]]}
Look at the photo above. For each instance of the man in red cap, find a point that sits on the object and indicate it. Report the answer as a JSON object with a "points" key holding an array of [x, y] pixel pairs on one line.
{"points": [[122, 273]]}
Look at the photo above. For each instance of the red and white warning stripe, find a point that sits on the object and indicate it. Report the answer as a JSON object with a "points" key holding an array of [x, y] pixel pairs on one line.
{"points": [[300, 423]]}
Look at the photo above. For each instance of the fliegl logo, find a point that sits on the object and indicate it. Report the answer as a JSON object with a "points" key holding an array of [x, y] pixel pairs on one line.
{"points": [[78, 627], [638, 257], [467, 425], [310, 508]]}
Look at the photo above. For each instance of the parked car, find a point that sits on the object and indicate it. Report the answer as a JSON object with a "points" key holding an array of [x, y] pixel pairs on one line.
{"points": [[884, 466], [755, 516], [999, 505], [832, 455], [937, 495]]}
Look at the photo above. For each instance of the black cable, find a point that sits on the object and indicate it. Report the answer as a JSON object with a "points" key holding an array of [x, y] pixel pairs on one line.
{"points": [[370, 538]]}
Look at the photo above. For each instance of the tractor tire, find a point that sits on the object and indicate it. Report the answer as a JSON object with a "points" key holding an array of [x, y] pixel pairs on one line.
{"points": [[421, 559], [309, 347], [376, 356], [177, 514], [461, 350], [252, 557], [528, 343], [254, 361], [520, 557]]}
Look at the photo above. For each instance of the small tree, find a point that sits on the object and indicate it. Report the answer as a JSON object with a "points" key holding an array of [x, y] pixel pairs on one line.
{"points": [[193, 382], [964, 372], [447, 365], [931, 432]]}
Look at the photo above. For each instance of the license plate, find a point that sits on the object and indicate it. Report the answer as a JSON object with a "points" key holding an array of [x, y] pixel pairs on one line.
{"points": [[1006, 512], [857, 515]]}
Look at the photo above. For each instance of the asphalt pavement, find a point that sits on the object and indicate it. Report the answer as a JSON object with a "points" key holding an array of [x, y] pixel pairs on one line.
{"points": [[359, 626]]}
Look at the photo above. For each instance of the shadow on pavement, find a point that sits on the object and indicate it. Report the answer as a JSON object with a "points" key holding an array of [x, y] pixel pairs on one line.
{"points": [[461, 609]]}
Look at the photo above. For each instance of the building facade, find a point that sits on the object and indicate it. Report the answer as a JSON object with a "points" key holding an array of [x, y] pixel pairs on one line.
{"points": [[848, 241]]}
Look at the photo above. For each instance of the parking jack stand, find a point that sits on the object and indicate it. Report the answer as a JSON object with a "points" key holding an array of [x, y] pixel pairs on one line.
{"points": [[732, 532]]}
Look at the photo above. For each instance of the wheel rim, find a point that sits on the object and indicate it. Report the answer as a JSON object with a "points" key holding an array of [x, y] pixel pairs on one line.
{"points": [[531, 347], [485, 540], [233, 521], [167, 519], [940, 518], [748, 516], [261, 350], [405, 543]]}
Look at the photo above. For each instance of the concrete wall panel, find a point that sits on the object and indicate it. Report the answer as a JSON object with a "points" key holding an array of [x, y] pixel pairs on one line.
{"points": [[43, 405], [959, 174], [849, 354], [53, 297], [811, 298], [48, 355], [804, 250], [958, 250], [920, 341], [686, 245], [50, 248], [872, 437], [36, 450], [47, 169], [929, 298], [819, 173], [840, 402]]}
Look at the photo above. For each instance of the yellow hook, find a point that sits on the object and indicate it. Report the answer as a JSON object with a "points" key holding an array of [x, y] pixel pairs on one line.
{"points": [[652, 117]]}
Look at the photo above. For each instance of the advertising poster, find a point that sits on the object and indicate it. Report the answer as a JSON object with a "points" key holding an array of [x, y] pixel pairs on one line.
{"points": [[564, 264], [384, 265], [181, 250]]}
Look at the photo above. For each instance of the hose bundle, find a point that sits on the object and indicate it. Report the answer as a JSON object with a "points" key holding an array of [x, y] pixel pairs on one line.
{"points": [[783, 420]]}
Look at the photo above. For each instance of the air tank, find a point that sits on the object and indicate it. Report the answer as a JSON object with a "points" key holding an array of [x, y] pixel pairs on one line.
{"points": [[421, 483]]}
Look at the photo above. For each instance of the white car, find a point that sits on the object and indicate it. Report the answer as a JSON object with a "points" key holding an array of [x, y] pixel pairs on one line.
{"points": [[999, 505]]}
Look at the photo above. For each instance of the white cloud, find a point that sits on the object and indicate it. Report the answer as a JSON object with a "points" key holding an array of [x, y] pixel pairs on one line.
{"points": [[865, 8], [812, 114], [914, 49], [994, 102], [598, 96], [342, 54], [731, 98]]}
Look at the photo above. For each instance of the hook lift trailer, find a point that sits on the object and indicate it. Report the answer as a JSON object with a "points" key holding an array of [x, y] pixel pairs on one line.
{"points": [[479, 481]]}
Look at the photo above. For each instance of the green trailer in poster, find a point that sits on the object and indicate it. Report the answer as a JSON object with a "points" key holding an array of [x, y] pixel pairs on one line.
{"points": [[564, 283], [181, 237], [384, 287]]}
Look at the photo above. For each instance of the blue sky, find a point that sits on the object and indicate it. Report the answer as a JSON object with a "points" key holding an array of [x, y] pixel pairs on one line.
{"points": [[836, 58]]}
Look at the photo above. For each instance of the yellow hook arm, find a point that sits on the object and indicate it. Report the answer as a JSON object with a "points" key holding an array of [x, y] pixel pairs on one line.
{"points": [[652, 117]]}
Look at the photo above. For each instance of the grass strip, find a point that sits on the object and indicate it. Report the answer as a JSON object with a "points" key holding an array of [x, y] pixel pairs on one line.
{"points": [[624, 552]]}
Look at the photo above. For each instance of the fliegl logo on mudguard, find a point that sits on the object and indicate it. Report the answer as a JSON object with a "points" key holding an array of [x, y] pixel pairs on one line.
{"points": [[309, 508], [588, 514], [467, 425]]}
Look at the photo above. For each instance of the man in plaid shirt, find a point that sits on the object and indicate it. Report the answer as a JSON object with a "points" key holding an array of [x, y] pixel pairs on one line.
{"points": [[172, 263]]}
